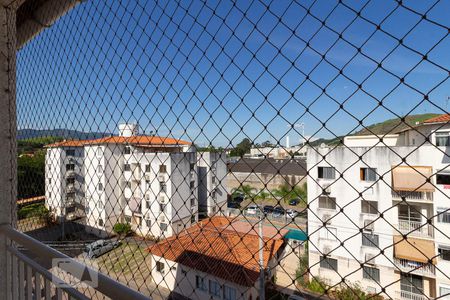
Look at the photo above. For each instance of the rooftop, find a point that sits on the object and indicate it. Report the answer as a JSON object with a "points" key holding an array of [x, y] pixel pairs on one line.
{"points": [[445, 118], [269, 166], [214, 247]]}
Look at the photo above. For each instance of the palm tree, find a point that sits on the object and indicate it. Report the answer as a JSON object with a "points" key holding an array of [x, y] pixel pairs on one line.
{"points": [[287, 192], [246, 190], [262, 195]]}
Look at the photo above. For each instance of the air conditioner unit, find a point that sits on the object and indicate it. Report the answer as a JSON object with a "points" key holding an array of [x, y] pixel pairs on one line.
{"points": [[148, 216], [326, 218], [162, 199], [161, 178], [162, 218], [370, 258], [326, 250], [369, 225]]}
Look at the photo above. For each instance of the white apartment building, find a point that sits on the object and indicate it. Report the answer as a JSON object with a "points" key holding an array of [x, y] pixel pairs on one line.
{"points": [[212, 188], [363, 199], [150, 182]]}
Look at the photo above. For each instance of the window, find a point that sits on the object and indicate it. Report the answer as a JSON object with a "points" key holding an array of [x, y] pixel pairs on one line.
{"points": [[444, 292], [192, 202], [369, 207], [127, 185], [100, 187], [368, 174], [163, 187], [127, 150], [443, 178], [160, 267], [443, 215], [192, 166], [409, 212], [192, 219], [229, 293], [49, 181], [99, 169], [163, 227], [162, 169], [99, 152], [192, 184], [326, 172], [411, 283], [100, 222], [327, 202], [328, 263], [100, 205], [127, 219], [213, 179], [328, 233], [162, 207], [148, 223], [371, 273], [444, 252], [148, 168], [126, 167], [70, 152], [86, 209], [214, 288], [70, 167], [370, 240], [70, 181], [200, 283], [442, 138], [148, 204]]}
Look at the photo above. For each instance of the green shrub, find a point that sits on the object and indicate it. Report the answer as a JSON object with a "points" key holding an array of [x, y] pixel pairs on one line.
{"points": [[122, 229], [318, 285]]}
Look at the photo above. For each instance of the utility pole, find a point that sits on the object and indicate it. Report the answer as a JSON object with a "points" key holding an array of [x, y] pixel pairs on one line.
{"points": [[262, 293]]}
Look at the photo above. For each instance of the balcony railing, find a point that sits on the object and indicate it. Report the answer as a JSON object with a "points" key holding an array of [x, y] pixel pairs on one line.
{"points": [[413, 196], [28, 279], [406, 295], [414, 267], [415, 228]]}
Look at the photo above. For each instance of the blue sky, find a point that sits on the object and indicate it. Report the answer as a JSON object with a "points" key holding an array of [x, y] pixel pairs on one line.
{"points": [[216, 72]]}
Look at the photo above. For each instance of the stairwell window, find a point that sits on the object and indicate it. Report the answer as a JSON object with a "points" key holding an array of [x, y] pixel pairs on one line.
{"points": [[328, 263], [368, 174], [326, 172]]}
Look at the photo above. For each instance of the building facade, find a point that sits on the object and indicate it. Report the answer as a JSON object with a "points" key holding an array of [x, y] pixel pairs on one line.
{"points": [[379, 216]]}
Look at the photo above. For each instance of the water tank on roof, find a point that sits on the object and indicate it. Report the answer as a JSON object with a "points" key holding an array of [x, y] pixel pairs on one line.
{"points": [[128, 129]]}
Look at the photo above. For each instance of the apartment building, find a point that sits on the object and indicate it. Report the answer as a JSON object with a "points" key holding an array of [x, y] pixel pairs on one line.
{"points": [[150, 182], [380, 212], [212, 188]]}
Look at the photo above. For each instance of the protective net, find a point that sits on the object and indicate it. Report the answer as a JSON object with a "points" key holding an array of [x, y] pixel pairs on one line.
{"points": [[240, 149]]}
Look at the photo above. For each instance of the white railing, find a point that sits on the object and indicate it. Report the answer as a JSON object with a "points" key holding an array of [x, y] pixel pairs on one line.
{"points": [[415, 228], [414, 267], [28, 279], [403, 295], [414, 196]]}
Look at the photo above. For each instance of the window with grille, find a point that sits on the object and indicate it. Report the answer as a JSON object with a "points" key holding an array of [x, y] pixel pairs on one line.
{"points": [[327, 202], [443, 138], [444, 252], [368, 174], [369, 207], [229, 293], [214, 288], [443, 215], [70, 167], [326, 172], [329, 263], [370, 240], [371, 273], [200, 283], [442, 178]]}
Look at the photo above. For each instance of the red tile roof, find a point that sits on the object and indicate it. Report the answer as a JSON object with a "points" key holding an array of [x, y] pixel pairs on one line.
{"points": [[439, 119], [212, 248], [141, 140]]}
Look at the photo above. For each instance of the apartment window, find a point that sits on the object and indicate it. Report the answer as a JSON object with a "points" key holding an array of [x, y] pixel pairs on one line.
{"points": [[370, 240], [200, 283], [127, 150], [411, 283], [192, 184], [127, 185], [148, 223], [327, 202], [163, 187], [70, 152], [442, 138], [443, 178], [326, 172], [444, 292], [148, 168], [368, 174], [100, 205], [99, 169], [100, 222], [192, 166], [127, 219], [192, 219], [192, 202], [163, 227], [444, 252], [369, 207], [328, 263], [213, 179], [328, 233], [229, 293], [100, 187], [162, 207], [99, 152], [70, 167], [371, 273], [70, 181], [147, 204], [214, 288], [126, 167], [409, 212], [443, 215], [162, 169], [160, 267]]}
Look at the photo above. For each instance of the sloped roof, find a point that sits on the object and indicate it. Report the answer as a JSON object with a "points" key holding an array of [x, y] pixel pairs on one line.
{"points": [[140, 140], [269, 166], [211, 248], [445, 118]]}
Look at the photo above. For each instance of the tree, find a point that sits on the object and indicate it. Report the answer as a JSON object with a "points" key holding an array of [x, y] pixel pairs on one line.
{"points": [[246, 190], [31, 175], [287, 192], [262, 195], [267, 144], [243, 147], [122, 229]]}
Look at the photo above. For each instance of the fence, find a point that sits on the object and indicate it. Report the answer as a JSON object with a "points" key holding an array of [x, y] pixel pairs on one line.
{"points": [[329, 118]]}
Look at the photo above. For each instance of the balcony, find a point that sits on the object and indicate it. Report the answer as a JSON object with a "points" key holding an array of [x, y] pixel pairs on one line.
{"points": [[415, 228], [70, 189], [70, 173], [413, 196], [406, 295], [28, 279], [414, 267]]}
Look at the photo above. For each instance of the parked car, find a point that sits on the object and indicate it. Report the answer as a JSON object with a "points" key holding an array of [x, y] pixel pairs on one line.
{"points": [[233, 205], [238, 198], [252, 209], [291, 213], [294, 201], [296, 297], [278, 211], [268, 209], [100, 247]]}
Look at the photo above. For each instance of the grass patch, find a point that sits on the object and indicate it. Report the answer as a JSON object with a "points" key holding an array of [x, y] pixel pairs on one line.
{"points": [[125, 259]]}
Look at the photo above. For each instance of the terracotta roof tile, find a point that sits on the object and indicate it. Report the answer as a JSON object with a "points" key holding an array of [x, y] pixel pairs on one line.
{"points": [[212, 248], [141, 140], [439, 119]]}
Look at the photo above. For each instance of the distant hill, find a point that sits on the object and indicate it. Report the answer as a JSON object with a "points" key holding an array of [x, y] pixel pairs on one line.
{"points": [[385, 127], [23, 134]]}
